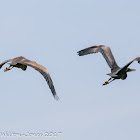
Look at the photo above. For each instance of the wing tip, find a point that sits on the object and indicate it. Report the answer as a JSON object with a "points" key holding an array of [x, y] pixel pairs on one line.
{"points": [[0, 66], [56, 98], [80, 53], [84, 51]]}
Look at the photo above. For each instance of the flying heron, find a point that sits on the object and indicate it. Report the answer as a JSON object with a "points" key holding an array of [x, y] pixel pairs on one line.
{"points": [[116, 71], [22, 62]]}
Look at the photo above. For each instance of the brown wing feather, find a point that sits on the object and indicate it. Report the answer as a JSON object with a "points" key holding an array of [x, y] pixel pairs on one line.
{"points": [[1, 64], [106, 52], [44, 73]]}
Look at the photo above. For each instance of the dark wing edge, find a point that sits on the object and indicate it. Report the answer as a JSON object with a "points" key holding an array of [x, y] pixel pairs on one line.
{"points": [[1, 64], [127, 65], [50, 83], [86, 51], [104, 50], [43, 72]]}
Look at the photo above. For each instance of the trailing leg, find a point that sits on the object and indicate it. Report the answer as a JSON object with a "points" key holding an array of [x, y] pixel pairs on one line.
{"points": [[107, 82]]}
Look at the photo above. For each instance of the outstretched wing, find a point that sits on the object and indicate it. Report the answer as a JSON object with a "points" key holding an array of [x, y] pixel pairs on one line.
{"points": [[106, 52], [123, 69], [43, 71], [1, 64], [12, 61]]}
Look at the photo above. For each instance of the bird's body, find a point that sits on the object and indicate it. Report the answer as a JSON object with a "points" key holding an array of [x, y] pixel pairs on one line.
{"points": [[116, 71], [22, 62]]}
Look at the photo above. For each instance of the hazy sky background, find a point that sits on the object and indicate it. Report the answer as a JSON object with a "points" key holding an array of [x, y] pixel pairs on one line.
{"points": [[51, 32]]}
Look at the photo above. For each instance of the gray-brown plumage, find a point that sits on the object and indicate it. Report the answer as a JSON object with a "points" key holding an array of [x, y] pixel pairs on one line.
{"points": [[22, 62], [116, 71]]}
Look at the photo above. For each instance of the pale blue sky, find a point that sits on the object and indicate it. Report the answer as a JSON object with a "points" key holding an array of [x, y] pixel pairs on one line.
{"points": [[51, 33]]}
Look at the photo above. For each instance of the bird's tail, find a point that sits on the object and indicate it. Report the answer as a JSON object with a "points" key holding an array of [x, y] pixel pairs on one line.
{"points": [[129, 70]]}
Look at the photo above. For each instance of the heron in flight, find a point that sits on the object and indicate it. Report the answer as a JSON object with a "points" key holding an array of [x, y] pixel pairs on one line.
{"points": [[116, 71], [22, 62]]}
